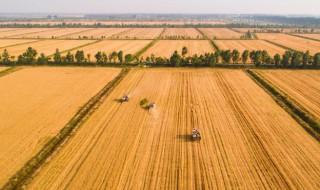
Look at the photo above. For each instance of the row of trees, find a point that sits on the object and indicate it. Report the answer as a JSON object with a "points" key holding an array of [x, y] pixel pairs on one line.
{"points": [[288, 59]]}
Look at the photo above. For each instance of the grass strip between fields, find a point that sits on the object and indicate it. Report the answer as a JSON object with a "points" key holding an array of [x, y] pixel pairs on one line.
{"points": [[9, 70], [214, 45], [21, 176], [300, 114]]}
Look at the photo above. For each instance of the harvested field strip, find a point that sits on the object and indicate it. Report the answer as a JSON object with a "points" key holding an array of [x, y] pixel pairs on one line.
{"points": [[52, 34], [20, 31], [242, 45], [97, 33], [141, 33], [122, 146], [307, 120], [220, 33], [181, 34], [75, 32], [92, 42], [117, 35], [292, 42], [315, 37], [215, 47], [6, 43], [33, 32], [31, 114], [303, 87], [165, 48], [108, 46], [279, 45], [48, 47]]}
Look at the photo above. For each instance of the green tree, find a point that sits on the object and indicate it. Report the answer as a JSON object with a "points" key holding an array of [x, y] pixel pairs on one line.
{"points": [[226, 56], [306, 58], [245, 56], [79, 56], [69, 58], [277, 59], [175, 59], [114, 56], [120, 56], [5, 57], [286, 57], [42, 59], [296, 59], [316, 59], [99, 57], [57, 57], [235, 56], [30, 55], [128, 58]]}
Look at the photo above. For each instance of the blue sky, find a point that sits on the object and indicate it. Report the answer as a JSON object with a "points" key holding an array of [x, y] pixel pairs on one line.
{"points": [[163, 6]]}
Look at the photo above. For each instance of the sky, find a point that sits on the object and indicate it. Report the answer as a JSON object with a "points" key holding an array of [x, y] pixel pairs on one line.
{"points": [[310, 7]]}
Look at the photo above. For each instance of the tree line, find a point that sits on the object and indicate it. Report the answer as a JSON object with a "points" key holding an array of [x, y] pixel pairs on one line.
{"points": [[257, 57]]}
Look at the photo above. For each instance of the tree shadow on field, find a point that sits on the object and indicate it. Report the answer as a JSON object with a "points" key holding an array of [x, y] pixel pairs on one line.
{"points": [[185, 138]]}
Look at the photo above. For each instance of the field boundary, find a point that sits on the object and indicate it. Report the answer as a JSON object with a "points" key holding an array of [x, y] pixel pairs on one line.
{"points": [[31, 166], [24, 43], [214, 45], [302, 116], [9, 70], [149, 45], [303, 37], [12, 36], [282, 46], [72, 33]]}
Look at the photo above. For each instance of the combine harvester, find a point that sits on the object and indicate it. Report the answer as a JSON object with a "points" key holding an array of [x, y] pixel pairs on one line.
{"points": [[145, 104], [196, 135]]}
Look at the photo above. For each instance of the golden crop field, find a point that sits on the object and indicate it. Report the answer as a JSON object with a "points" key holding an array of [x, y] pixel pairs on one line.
{"points": [[48, 47], [250, 45], [108, 46], [220, 33], [313, 36], [53, 33], [36, 103], [23, 31], [10, 42], [165, 48], [248, 141], [96, 33], [139, 33], [302, 86], [296, 43], [181, 33]]}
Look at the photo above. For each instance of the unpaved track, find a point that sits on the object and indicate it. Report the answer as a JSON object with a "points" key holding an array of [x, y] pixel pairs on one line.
{"points": [[36, 103], [248, 142], [302, 86]]}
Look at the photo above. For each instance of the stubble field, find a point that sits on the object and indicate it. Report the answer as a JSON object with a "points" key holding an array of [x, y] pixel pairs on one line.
{"points": [[220, 33], [36, 103], [123, 146], [48, 47], [302, 86], [165, 48], [296, 43], [242, 45], [108, 46], [181, 33]]}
